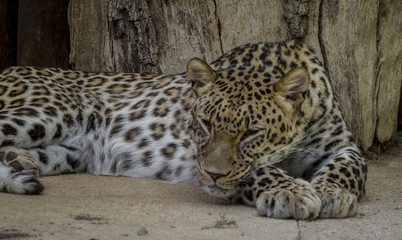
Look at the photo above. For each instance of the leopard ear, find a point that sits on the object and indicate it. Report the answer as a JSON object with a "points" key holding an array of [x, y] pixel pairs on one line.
{"points": [[201, 74], [294, 83]]}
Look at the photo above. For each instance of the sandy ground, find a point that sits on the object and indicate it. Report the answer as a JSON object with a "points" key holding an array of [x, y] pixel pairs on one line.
{"points": [[81, 206]]}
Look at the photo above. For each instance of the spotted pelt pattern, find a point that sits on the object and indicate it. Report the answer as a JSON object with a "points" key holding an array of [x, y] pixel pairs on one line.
{"points": [[261, 124], [112, 124]]}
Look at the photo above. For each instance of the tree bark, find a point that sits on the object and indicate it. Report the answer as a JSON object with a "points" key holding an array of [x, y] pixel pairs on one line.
{"points": [[389, 75], [359, 43], [142, 36]]}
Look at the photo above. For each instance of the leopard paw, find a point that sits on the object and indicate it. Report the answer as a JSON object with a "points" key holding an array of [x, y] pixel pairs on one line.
{"points": [[338, 203], [25, 184], [20, 160], [12, 181], [299, 201], [18, 172]]}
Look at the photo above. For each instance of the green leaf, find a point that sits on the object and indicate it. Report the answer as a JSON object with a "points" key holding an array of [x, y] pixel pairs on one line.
{"points": [[142, 232]]}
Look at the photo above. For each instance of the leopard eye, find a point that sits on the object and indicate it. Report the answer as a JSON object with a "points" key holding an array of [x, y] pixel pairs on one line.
{"points": [[249, 133], [207, 125]]}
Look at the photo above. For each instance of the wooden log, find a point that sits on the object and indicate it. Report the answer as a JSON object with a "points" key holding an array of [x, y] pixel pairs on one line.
{"points": [[88, 31], [389, 75], [142, 36], [358, 42], [349, 46]]}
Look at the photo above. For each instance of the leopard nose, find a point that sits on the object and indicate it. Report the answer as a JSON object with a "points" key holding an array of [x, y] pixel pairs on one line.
{"points": [[215, 176]]}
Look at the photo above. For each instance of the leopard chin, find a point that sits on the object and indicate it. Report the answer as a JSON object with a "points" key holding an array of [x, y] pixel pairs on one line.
{"points": [[220, 192]]}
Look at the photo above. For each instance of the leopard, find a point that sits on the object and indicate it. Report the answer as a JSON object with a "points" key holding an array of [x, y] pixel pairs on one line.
{"points": [[260, 126]]}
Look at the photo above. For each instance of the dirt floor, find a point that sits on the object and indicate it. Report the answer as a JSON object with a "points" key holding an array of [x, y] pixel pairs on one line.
{"points": [[81, 206]]}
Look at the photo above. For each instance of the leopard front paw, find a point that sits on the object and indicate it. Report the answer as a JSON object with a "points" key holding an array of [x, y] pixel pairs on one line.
{"points": [[338, 203], [299, 201]]}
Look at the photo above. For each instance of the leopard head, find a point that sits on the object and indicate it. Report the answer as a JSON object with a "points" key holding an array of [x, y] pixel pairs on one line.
{"points": [[242, 120]]}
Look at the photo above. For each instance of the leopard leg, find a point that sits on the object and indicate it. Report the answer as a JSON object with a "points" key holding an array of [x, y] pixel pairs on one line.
{"points": [[340, 183], [57, 159], [19, 159], [19, 168], [277, 195]]}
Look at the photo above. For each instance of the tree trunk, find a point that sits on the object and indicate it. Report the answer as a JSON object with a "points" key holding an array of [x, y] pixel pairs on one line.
{"points": [[142, 36], [359, 43]]}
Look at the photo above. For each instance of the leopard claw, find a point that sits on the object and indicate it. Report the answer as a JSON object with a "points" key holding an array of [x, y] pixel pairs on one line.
{"points": [[299, 202]]}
